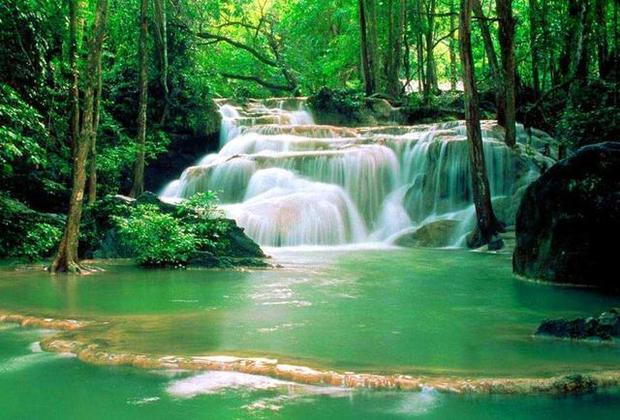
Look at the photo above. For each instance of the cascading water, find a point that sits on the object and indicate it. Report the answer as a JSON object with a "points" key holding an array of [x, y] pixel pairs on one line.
{"points": [[290, 182]]}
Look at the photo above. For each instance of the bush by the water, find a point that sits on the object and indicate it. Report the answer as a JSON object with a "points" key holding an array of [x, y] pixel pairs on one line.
{"points": [[27, 233], [202, 218], [159, 238]]}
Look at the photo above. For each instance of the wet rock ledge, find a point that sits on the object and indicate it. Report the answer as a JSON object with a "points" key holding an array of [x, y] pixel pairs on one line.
{"points": [[605, 327], [94, 353]]}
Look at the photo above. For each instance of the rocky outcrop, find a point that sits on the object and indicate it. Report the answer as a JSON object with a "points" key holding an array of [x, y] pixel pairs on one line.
{"points": [[435, 235], [569, 218], [604, 327]]}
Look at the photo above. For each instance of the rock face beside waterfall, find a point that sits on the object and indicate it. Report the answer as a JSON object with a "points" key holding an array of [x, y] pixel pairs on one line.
{"points": [[570, 217]]}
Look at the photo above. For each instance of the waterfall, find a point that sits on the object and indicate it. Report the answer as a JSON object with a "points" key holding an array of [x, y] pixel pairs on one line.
{"points": [[291, 182]]}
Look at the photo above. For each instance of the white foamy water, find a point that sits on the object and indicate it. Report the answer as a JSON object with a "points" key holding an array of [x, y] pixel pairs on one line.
{"points": [[291, 183], [216, 382]]}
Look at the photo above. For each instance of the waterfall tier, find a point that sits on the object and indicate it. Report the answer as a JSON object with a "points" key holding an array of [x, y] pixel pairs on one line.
{"points": [[290, 182]]}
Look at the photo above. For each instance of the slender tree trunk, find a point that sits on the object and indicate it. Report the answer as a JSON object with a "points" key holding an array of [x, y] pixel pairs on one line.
{"points": [[138, 170], [74, 93], [395, 41], [453, 46], [507, 46], [535, 56], [369, 87], [92, 178], [547, 52], [601, 38], [161, 31], [373, 43], [407, 57], [487, 228], [431, 76], [496, 73], [420, 49], [573, 45], [67, 257]]}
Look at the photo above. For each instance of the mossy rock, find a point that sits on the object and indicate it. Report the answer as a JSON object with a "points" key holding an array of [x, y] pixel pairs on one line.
{"points": [[434, 235]]}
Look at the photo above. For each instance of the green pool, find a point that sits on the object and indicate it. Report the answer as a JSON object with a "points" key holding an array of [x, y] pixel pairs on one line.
{"points": [[431, 312]]}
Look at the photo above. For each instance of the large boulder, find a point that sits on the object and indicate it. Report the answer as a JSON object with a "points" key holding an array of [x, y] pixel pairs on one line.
{"points": [[570, 217], [436, 234]]}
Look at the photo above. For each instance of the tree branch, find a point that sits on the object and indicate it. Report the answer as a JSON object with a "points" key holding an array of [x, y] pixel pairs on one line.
{"points": [[258, 80], [221, 38]]}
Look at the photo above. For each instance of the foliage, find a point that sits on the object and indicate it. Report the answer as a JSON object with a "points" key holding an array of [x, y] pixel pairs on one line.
{"points": [[160, 238], [157, 239], [20, 127], [27, 233], [340, 101], [39, 242], [203, 219], [593, 116]]}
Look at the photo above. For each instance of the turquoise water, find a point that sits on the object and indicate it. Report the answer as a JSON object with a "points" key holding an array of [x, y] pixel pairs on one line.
{"points": [[41, 385], [405, 311], [436, 312]]}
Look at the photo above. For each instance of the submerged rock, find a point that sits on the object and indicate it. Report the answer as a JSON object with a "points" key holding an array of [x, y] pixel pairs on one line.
{"points": [[568, 219], [605, 327], [575, 384], [435, 235], [206, 259]]}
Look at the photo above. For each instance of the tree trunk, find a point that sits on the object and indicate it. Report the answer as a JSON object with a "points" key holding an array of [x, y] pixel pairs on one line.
{"points": [[493, 61], [161, 31], [431, 76], [366, 70], [601, 38], [547, 52], [92, 178], [487, 228], [67, 257], [74, 93], [138, 169], [419, 45], [573, 43], [453, 46], [535, 56], [507, 47], [395, 45]]}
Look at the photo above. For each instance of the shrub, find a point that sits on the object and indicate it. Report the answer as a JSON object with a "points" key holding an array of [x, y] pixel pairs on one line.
{"points": [[203, 219], [40, 241], [593, 116], [157, 239], [338, 101], [160, 237]]}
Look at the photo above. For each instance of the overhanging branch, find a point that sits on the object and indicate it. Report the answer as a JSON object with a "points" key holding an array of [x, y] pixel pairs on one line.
{"points": [[221, 38], [258, 80]]}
